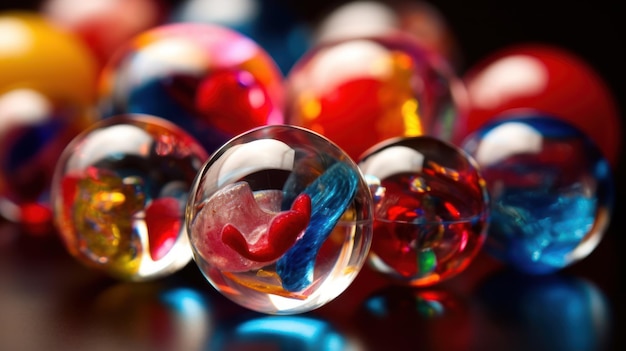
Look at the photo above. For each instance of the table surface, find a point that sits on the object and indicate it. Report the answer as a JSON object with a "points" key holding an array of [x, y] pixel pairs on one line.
{"points": [[48, 301]]}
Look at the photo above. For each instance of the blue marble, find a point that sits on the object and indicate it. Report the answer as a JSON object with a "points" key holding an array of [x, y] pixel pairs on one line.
{"points": [[551, 190]]}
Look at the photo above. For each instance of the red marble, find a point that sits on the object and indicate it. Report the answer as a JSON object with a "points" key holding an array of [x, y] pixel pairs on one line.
{"points": [[548, 79]]}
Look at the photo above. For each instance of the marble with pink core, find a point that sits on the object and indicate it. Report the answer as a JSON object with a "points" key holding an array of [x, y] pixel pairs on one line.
{"points": [[280, 220], [233, 215]]}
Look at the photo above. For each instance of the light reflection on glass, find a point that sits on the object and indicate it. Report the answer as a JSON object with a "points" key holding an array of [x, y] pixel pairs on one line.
{"points": [[162, 317], [430, 303], [407, 318], [283, 333]]}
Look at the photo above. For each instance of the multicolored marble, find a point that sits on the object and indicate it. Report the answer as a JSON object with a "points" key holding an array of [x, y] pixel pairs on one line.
{"points": [[363, 90], [47, 91], [431, 209], [119, 194], [211, 81], [551, 188], [280, 220]]}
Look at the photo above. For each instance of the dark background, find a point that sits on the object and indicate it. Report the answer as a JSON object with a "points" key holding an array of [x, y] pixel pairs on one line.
{"points": [[50, 302]]}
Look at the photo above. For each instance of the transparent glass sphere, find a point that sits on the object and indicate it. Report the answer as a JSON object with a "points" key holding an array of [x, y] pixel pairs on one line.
{"points": [[363, 90], [119, 193], [551, 190], [211, 81], [280, 220], [431, 209]]}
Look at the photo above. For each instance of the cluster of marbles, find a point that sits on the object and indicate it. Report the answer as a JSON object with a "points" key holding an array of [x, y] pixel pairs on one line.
{"points": [[545, 130], [431, 209], [280, 220], [551, 190], [47, 88], [212, 81], [119, 194]]}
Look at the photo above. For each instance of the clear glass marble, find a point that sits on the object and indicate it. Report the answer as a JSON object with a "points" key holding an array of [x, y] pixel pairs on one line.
{"points": [[119, 193], [280, 220], [431, 209]]}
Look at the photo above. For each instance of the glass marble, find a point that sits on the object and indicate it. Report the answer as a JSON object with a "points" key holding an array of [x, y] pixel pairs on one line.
{"points": [[551, 191], [431, 209], [37, 55], [211, 81], [270, 23], [363, 90], [280, 220], [47, 90], [119, 193], [550, 79]]}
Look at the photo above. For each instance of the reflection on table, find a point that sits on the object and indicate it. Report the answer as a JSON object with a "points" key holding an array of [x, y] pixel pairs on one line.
{"points": [[51, 302]]}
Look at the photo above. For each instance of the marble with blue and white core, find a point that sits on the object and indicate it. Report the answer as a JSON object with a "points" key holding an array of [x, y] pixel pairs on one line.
{"points": [[551, 191]]}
